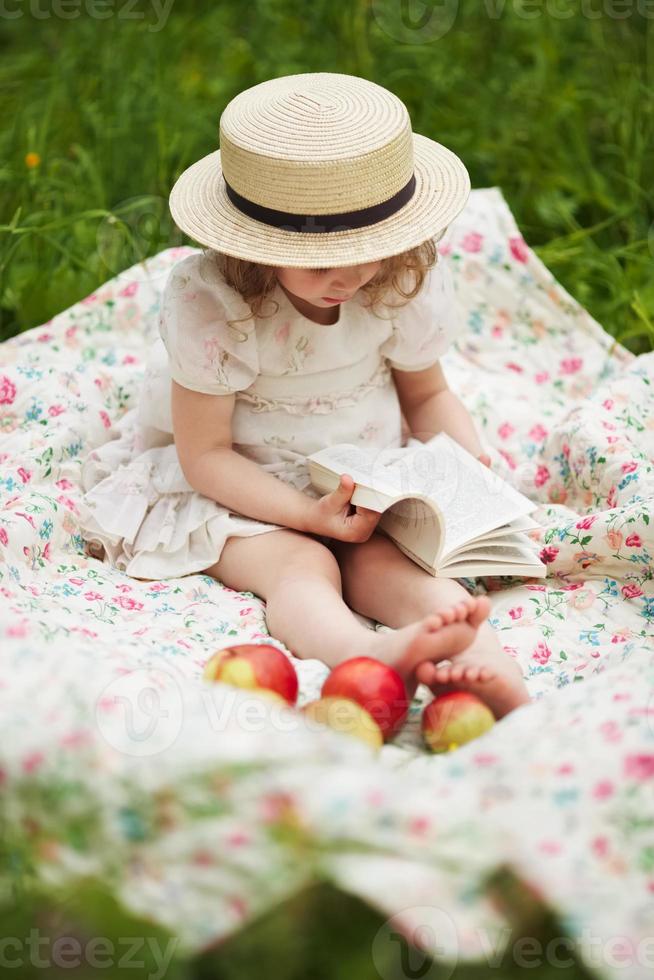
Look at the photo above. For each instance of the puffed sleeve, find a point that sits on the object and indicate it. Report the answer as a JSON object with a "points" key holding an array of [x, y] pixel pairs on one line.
{"points": [[205, 352], [426, 325]]}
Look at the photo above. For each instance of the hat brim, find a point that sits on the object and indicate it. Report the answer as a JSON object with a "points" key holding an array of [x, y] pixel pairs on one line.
{"points": [[201, 208]]}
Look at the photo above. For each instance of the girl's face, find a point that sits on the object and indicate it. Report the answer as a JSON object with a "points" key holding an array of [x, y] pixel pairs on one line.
{"points": [[320, 287]]}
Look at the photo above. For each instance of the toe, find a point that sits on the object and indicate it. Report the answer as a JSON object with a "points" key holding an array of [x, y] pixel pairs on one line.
{"points": [[481, 610], [425, 673], [462, 610], [433, 622]]}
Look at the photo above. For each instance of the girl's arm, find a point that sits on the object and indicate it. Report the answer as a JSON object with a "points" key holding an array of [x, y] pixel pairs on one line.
{"points": [[430, 407], [445, 412], [239, 483]]}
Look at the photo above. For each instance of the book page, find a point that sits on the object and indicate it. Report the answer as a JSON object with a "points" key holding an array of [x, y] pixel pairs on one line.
{"points": [[494, 553], [472, 497]]}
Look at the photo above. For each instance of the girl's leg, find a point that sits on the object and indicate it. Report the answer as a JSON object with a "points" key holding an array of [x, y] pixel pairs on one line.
{"points": [[300, 581], [379, 581]]}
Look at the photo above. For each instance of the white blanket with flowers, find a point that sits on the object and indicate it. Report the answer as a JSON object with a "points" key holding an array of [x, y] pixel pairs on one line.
{"points": [[202, 807]]}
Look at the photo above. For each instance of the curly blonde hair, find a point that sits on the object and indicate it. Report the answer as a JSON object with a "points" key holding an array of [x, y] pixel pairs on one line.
{"points": [[255, 281]]}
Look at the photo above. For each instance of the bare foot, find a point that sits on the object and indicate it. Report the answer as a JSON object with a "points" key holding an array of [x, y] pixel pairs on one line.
{"points": [[493, 677], [434, 638]]}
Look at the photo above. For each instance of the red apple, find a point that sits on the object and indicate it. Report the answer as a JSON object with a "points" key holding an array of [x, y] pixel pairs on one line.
{"points": [[454, 718], [255, 667], [375, 686], [345, 715]]}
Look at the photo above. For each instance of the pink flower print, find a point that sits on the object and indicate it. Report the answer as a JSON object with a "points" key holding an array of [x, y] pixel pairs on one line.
{"points": [[633, 541], [43, 338], [603, 789], [509, 458], [631, 591], [281, 334], [472, 242], [18, 629], [621, 636], [129, 290], [106, 421], [611, 499], [55, 410], [496, 332], [640, 766], [570, 365], [548, 554], [600, 846], [542, 653], [505, 430], [444, 249], [550, 846], [571, 587], [586, 522], [614, 539], [608, 404], [7, 390], [565, 449], [93, 596], [609, 426], [245, 612], [537, 433], [33, 761], [518, 248], [512, 651], [25, 475], [611, 731], [126, 602], [583, 599], [629, 467], [541, 377], [128, 359], [585, 558], [542, 476], [516, 612], [512, 366], [4, 539], [90, 299], [63, 484]]}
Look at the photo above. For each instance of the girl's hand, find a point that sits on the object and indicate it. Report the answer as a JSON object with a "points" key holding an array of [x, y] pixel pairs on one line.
{"points": [[485, 459], [330, 515]]}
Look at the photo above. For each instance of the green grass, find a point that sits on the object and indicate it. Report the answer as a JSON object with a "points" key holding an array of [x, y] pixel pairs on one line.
{"points": [[555, 111], [321, 933]]}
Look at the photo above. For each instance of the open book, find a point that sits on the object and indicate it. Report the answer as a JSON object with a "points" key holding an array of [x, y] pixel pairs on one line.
{"points": [[448, 512]]}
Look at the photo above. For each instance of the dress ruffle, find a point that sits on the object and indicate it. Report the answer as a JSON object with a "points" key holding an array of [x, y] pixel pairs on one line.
{"points": [[139, 507], [319, 404]]}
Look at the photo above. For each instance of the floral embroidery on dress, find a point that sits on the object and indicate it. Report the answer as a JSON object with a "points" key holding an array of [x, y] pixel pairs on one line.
{"points": [[319, 404], [298, 356]]}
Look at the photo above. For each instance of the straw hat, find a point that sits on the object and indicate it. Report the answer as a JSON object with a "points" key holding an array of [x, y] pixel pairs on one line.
{"points": [[320, 170]]}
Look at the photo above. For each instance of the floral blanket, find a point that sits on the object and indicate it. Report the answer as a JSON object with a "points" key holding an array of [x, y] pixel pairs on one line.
{"points": [[201, 806]]}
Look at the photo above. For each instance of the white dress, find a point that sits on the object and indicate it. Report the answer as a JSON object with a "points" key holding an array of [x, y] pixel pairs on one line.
{"points": [[300, 386]]}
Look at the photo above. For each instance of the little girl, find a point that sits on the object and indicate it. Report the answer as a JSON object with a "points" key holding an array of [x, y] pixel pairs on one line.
{"points": [[316, 314]]}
